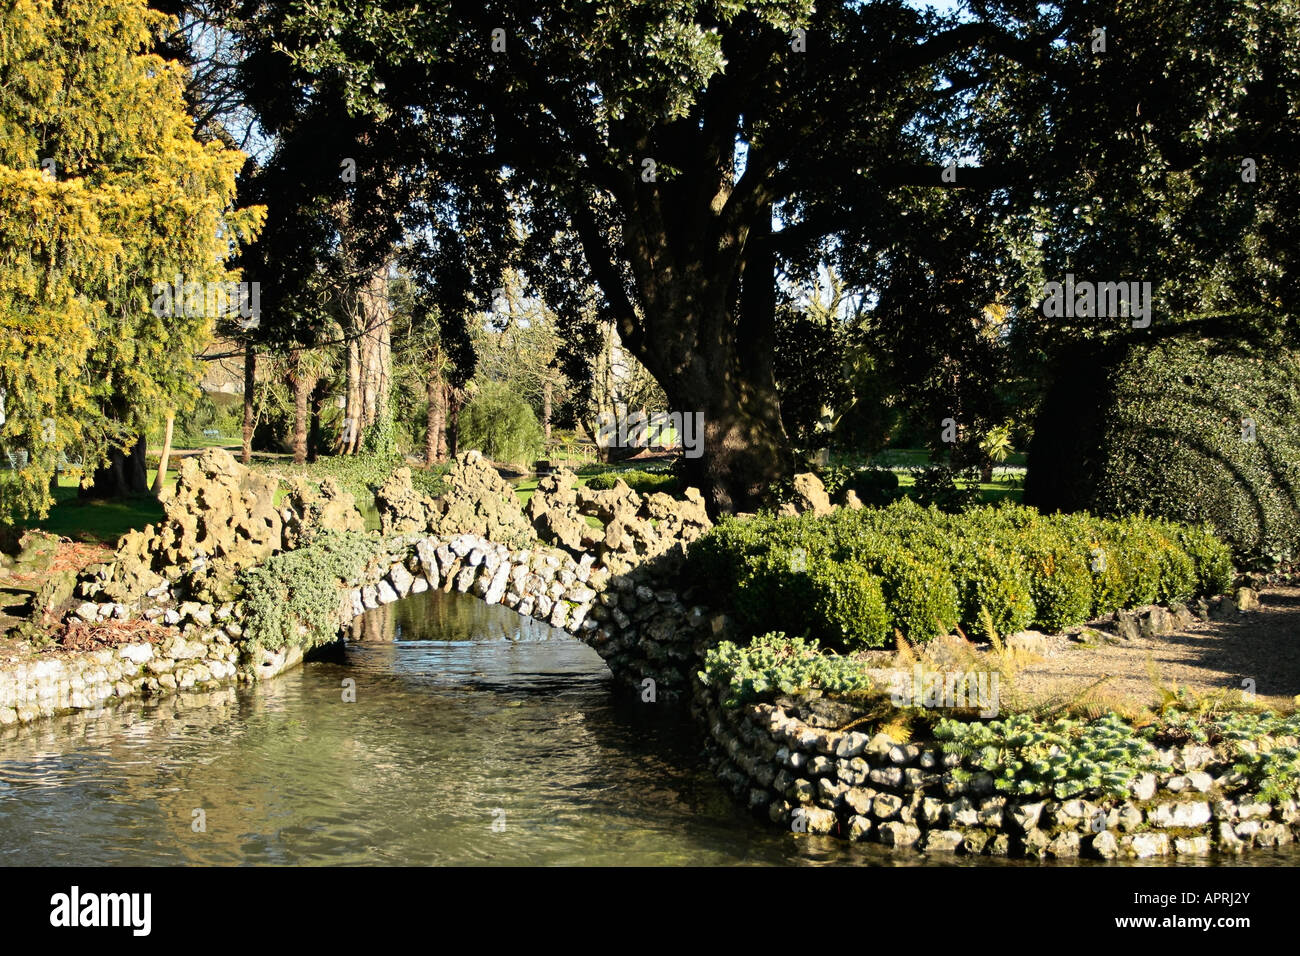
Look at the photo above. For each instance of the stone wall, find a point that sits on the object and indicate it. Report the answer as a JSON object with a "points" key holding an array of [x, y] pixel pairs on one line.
{"points": [[50, 684], [790, 764]]}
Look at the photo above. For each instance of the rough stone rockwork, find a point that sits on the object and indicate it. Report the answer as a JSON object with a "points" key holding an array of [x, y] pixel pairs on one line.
{"points": [[788, 762], [221, 519]]}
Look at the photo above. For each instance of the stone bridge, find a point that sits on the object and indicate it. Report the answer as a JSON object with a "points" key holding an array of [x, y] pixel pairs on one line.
{"points": [[618, 587]]}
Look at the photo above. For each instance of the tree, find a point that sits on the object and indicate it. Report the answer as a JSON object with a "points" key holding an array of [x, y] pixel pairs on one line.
{"points": [[651, 146], [105, 192]]}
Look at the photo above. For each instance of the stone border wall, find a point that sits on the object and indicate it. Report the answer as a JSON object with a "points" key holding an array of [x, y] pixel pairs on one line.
{"points": [[790, 764]]}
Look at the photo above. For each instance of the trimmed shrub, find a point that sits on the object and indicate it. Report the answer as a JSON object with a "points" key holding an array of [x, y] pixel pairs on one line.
{"points": [[847, 606], [921, 597], [814, 576], [1192, 427]]}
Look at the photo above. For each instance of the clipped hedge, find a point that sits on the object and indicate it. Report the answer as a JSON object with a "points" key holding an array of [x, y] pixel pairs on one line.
{"points": [[827, 577], [1164, 428]]}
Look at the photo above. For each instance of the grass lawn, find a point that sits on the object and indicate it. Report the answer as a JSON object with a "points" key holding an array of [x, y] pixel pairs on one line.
{"points": [[98, 522]]}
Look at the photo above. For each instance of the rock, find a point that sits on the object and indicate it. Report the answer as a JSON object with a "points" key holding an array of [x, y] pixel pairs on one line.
{"points": [[1144, 845], [1155, 622], [310, 510], [480, 502], [1064, 845], [941, 841], [1192, 845], [1180, 815], [220, 519], [810, 495], [859, 828], [812, 820], [1144, 786], [899, 835], [1104, 845], [402, 509], [1025, 816], [1247, 599], [886, 806], [401, 579]]}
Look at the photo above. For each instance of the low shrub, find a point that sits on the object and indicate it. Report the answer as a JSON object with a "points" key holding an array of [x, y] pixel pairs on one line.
{"points": [[643, 482], [292, 598], [936, 570], [360, 475], [847, 605], [774, 664]]}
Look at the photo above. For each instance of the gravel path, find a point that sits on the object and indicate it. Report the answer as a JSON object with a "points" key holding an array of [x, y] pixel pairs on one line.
{"points": [[1261, 646]]}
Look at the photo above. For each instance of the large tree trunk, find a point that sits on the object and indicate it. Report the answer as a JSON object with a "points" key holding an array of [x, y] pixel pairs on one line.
{"points": [[712, 350], [301, 394], [453, 421], [125, 474], [166, 455], [250, 384], [435, 438], [318, 396], [369, 361]]}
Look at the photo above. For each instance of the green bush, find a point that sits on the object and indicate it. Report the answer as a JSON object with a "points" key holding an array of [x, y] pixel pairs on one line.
{"points": [[644, 482], [936, 570], [360, 475], [501, 425], [945, 487], [847, 606], [1157, 429]]}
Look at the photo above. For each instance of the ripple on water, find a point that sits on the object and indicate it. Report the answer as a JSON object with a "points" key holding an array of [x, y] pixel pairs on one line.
{"points": [[471, 719]]}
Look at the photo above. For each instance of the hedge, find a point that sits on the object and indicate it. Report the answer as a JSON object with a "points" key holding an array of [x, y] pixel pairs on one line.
{"points": [[1164, 428], [850, 578]]}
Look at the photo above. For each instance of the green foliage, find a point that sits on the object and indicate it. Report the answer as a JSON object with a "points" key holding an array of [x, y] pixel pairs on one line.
{"points": [[874, 486], [810, 356], [105, 190], [774, 664], [1063, 758], [644, 482], [292, 598], [1166, 439], [1270, 761], [846, 605], [946, 487], [936, 570], [380, 439], [501, 425], [360, 475]]}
